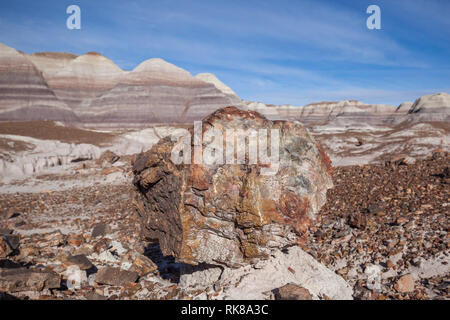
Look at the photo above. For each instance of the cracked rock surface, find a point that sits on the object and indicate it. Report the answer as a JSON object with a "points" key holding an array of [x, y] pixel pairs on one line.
{"points": [[232, 214]]}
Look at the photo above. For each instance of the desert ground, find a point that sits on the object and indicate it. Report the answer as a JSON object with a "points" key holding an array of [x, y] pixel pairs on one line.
{"points": [[92, 207], [67, 212]]}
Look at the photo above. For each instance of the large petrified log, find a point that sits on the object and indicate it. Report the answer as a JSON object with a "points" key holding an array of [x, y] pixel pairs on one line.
{"points": [[209, 210]]}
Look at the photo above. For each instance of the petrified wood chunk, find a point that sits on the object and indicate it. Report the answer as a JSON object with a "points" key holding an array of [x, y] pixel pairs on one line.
{"points": [[208, 210]]}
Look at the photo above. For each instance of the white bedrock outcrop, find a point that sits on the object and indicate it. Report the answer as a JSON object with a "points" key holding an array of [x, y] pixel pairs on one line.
{"points": [[257, 282]]}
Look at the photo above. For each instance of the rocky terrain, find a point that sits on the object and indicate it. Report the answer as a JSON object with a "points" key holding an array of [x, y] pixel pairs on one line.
{"points": [[92, 205], [383, 228], [352, 132], [364, 144]]}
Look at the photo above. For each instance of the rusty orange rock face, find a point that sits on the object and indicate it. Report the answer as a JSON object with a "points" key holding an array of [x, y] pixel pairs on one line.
{"points": [[232, 214]]}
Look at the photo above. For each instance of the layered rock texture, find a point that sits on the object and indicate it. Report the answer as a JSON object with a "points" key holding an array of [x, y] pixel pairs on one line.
{"points": [[434, 107], [91, 90], [210, 78], [83, 79], [232, 214], [50, 63], [324, 112], [156, 92], [24, 94]]}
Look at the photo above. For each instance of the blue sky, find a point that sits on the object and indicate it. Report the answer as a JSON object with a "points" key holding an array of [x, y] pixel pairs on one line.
{"points": [[295, 52]]}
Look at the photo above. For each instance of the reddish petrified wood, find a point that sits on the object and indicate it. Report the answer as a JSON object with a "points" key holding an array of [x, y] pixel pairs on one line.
{"points": [[232, 214]]}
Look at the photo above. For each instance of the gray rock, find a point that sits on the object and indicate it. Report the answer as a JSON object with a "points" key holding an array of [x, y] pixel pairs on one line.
{"points": [[292, 291], [13, 240], [295, 266], [21, 279], [99, 230], [115, 276], [81, 261], [95, 296]]}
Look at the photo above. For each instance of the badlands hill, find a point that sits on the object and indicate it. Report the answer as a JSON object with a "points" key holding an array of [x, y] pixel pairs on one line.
{"points": [[91, 90], [211, 78], [24, 94], [435, 107]]}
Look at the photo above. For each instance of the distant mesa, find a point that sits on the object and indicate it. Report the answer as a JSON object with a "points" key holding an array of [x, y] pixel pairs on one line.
{"points": [[435, 107]]}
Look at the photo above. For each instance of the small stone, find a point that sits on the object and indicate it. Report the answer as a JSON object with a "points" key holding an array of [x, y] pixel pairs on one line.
{"points": [[75, 240], [292, 292], [405, 284], [21, 279], [130, 289], [381, 213], [99, 230], [107, 157], [13, 240], [376, 208], [359, 142], [86, 249], [402, 159], [79, 260], [343, 271], [5, 248], [389, 264], [357, 220], [115, 276], [143, 265], [107, 171], [55, 239], [28, 252], [95, 296], [402, 220], [101, 245], [11, 213]]}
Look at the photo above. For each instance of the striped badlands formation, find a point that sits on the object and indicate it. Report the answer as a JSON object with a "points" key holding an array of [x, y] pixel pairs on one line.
{"points": [[434, 107], [91, 90], [24, 94], [210, 78], [83, 79], [156, 92]]}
